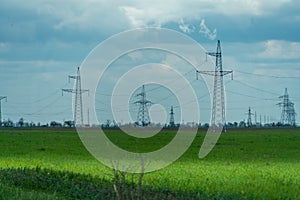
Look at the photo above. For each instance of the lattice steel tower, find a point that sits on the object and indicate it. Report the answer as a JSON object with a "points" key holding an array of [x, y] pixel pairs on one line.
{"points": [[218, 107], [172, 121], [288, 114], [78, 107], [1, 98], [249, 120], [143, 118]]}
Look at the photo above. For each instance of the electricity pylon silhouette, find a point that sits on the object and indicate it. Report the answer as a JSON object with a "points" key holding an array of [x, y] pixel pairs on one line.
{"points": [[143, 118], [1, 98], [249, 120], [288, 114], [78, 107], [172, 121], [218, 107]]}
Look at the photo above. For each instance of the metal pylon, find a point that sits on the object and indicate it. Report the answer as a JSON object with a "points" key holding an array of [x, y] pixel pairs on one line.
{"points": [[143, 118], [78, 106], [288, 114], [1, 98], [249, 120], [218, 107], [172, 120]]}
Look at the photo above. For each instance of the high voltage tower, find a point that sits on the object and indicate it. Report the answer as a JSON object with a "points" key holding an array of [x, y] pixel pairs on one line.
{"points": [[288, 114], [218, 108], [78, 107], [143, 118], [249, 121], [172, 121], [1, 98]]}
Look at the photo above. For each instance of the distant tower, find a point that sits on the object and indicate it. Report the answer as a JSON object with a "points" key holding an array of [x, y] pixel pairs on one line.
{"points": [[260, 122], [143, 118], [218, 108], [288, 114], [249, 121], [78, 107], [172, 121], [1, 98]]}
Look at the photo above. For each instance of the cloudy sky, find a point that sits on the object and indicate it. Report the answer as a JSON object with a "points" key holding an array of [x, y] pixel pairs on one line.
{"points": [[42, 42]]}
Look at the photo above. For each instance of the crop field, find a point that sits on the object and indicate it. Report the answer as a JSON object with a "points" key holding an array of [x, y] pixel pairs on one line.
{"points": [[245, 164]]}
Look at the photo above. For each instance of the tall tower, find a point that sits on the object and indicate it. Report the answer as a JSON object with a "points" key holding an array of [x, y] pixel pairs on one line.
{"points": [[218, 107], [288, 114], [78, 107], [172, 121], [1, 98], [143, 118], [249, 120]]}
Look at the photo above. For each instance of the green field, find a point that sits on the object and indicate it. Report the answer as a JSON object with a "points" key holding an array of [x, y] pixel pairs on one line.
{"points": [[247, 164]]}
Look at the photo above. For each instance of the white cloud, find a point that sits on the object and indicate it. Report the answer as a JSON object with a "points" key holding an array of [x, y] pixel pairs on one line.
{"points": [[186, 28], [206, 31], [279, 49], [112, 16], [143, 13]]}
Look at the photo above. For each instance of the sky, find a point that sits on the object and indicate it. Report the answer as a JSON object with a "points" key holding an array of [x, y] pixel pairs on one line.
{"points": [[42, 42]]}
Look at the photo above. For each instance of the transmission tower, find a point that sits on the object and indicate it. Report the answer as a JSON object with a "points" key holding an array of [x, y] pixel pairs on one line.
{"points": [[143, 118], [78, 107], [172, 121], [249, 121], [1, 98], [218, 107], [288, 114]]}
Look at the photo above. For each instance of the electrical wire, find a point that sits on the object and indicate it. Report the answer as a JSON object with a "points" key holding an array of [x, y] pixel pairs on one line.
{"points": [[264, 75]]}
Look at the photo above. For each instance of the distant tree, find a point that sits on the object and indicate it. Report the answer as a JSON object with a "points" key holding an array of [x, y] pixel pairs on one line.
{"points": [[242, 124], [69, 123], [55, 124], [21, 122], [32, 124], [8, 123], [235, 124], [206, 125], [229, 124], [107, 125]]}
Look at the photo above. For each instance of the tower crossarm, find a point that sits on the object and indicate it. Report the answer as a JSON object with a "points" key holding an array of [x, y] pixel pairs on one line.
{"points": [[74, 91], [143, 102], [212, 53], [73, 76], [214, 73], [3, 98]]}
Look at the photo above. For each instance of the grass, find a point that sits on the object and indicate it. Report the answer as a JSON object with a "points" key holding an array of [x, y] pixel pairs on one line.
{"points": [[15, 193], [249, 164]]}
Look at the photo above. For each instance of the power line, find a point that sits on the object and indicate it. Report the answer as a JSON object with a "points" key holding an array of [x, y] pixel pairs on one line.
{"points": [[251, 96], [39, 99], [46, 106], [149, 90], [264, 75], [255, 88], [260, 90]]}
